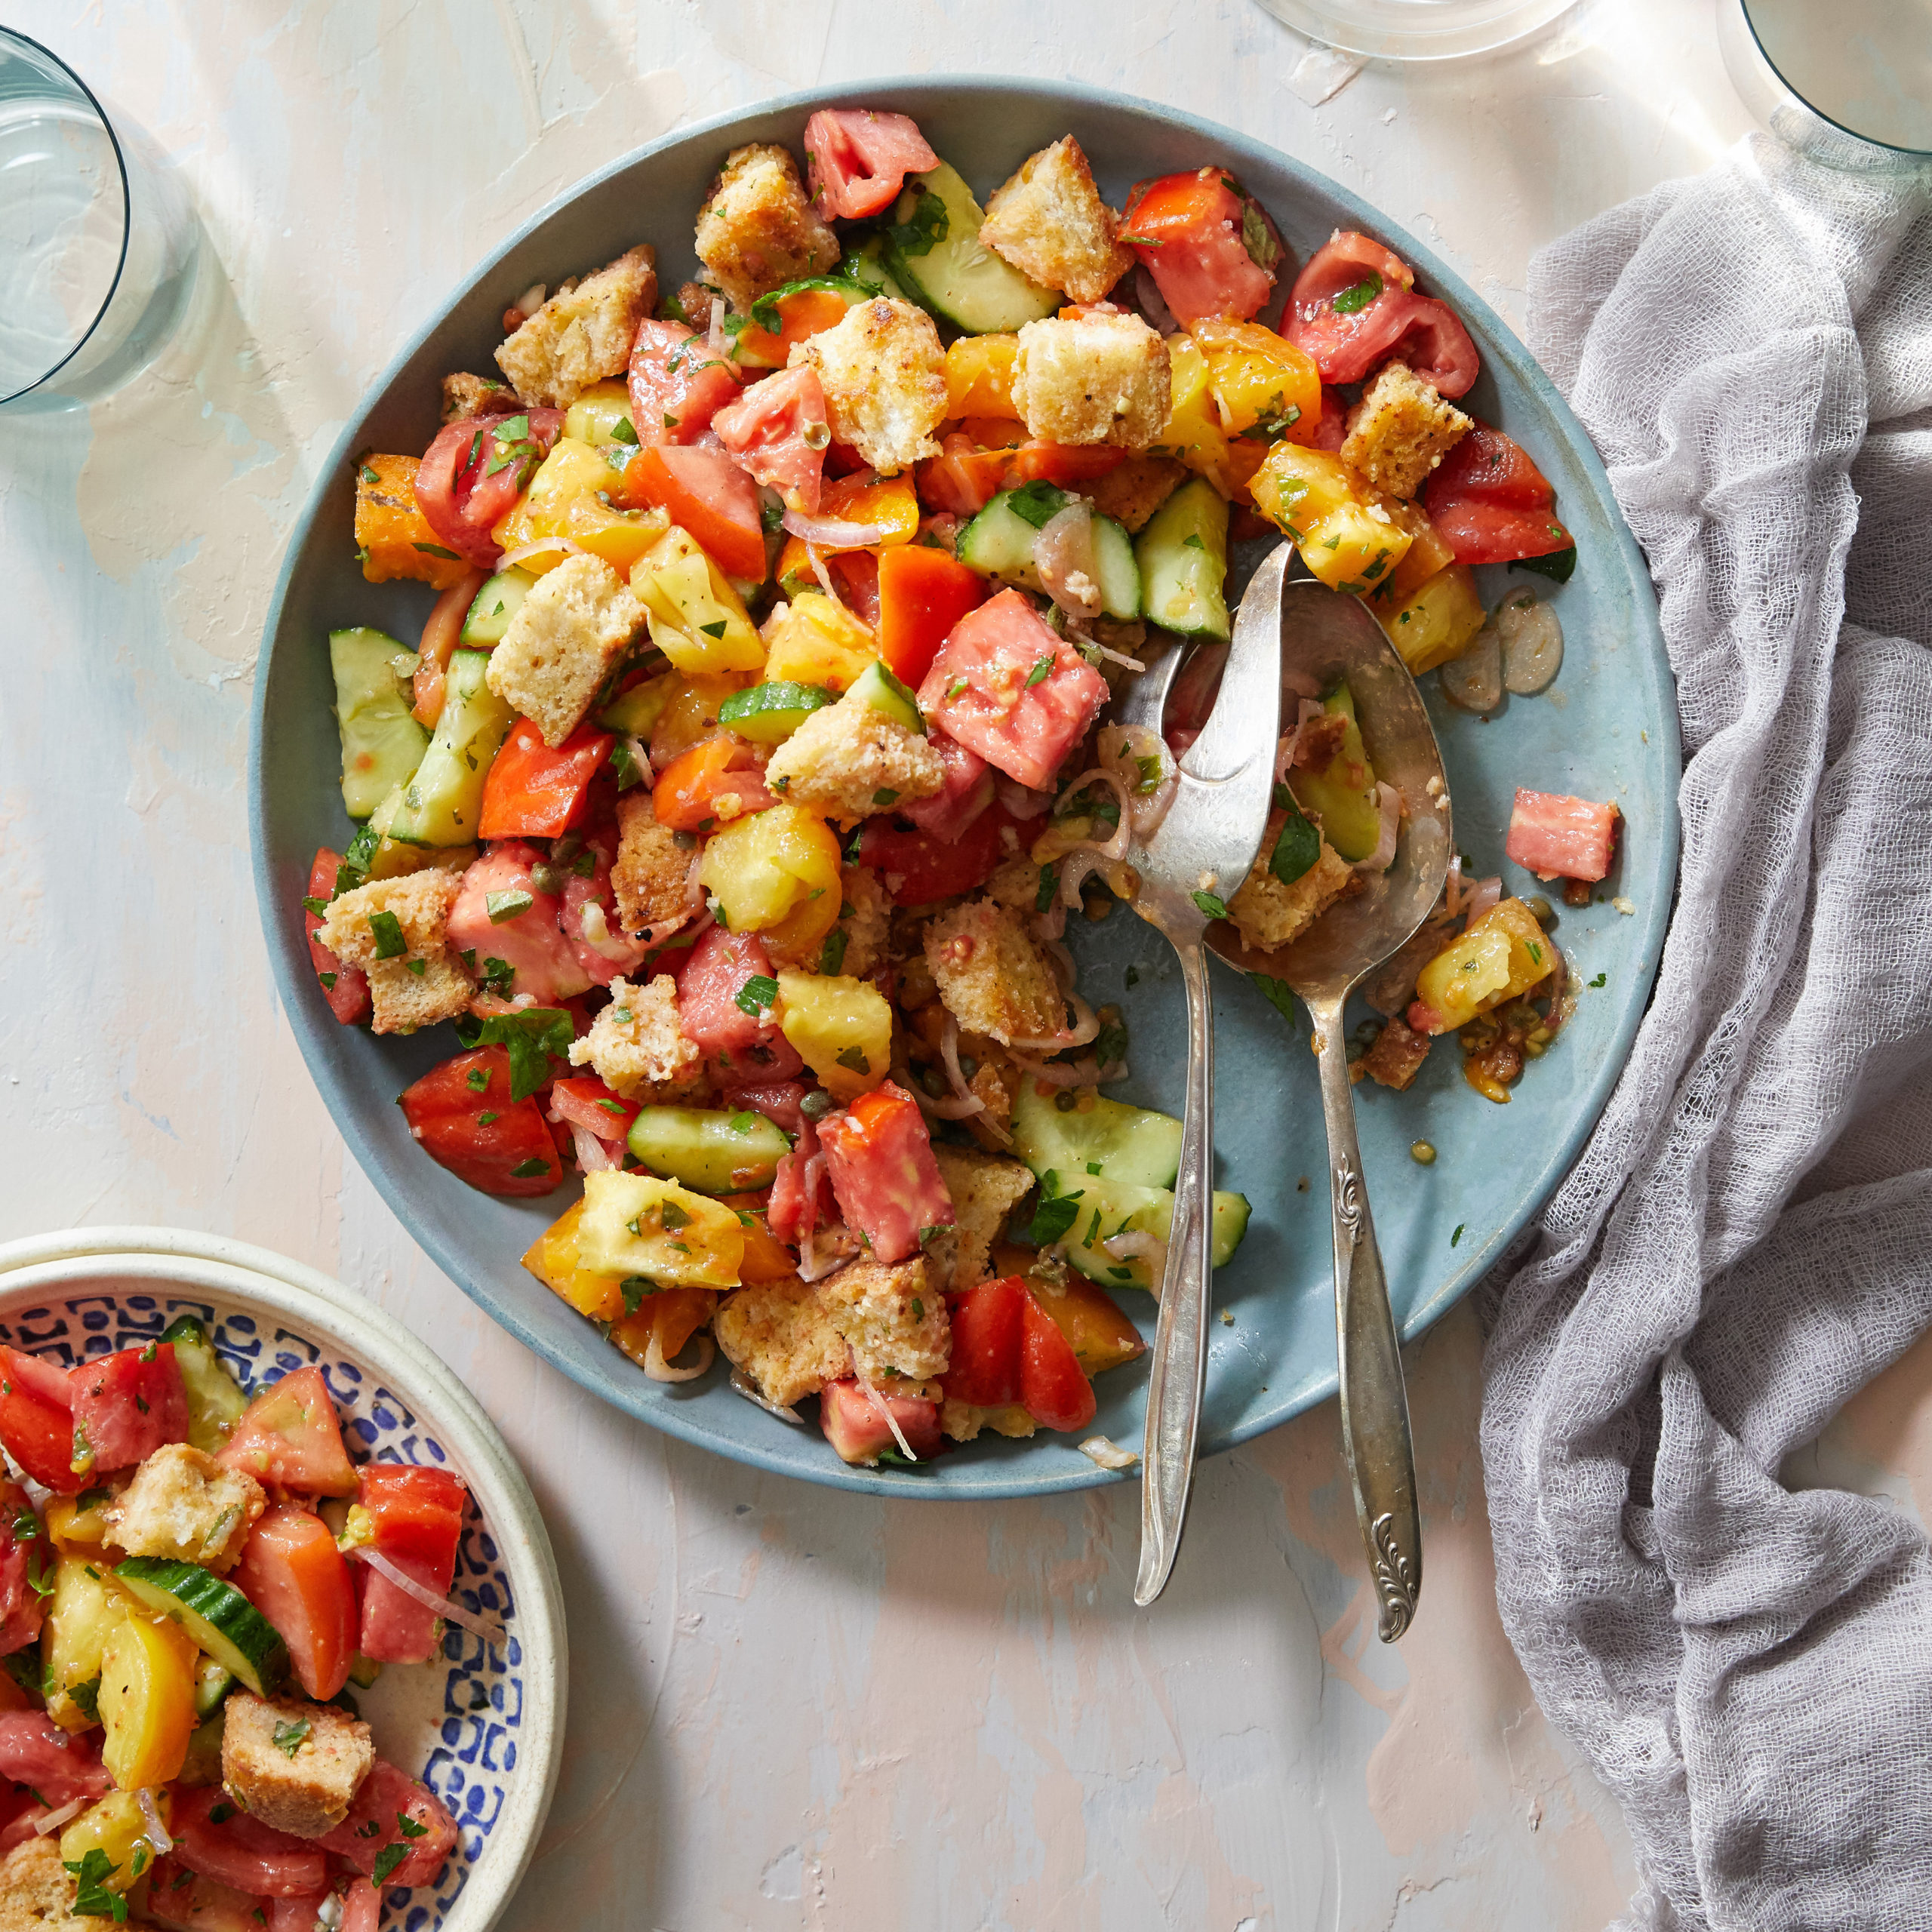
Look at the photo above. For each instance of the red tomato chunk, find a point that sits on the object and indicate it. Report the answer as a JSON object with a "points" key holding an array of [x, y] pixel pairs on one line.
{"points": [[533, 792], [384, 1794], [489, 920], [778, 432], [884, 1176], [463, 1114], [1056, 1392], [34, 1750], [1558, 836], [186, 1902], [1492, 504], [293, 1573], [854, 1422], [859, 159], [677, 385], [345, 988], [1006, 687], [415, 1522], [126, 1405], [472, 475], [988, 1323], [37, 1422], [289, 1436], [213, 1836], [705, 494], [1192, 233], [21, 1606]]}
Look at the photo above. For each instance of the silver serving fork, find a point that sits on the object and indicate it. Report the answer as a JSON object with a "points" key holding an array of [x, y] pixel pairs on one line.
{"points": [[1195, 860]]}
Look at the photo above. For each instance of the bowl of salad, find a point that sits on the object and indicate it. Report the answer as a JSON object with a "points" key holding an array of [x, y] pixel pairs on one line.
{"points": [[689, 827], [281, 1629]]}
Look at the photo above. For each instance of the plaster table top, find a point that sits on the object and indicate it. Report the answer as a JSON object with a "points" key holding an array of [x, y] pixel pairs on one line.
{"points": [[790, 1708]]}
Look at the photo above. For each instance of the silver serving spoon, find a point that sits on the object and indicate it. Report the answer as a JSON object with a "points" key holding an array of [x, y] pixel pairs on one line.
{"points": [[1330, 637], [1201, 850]]}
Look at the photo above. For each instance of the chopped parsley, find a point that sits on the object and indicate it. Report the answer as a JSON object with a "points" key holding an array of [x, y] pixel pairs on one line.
{"points": [[504, 906], [924, 230], [1458, 1235], [1559, 566], [833, 956], [1298, 845], [530, 1169], [717, 629], [1043, 666], [532, 1037], [1278, 994], [92, 1898], [1211, 907], [1043, 896], [1037, 503], [408, 1827], [429, 550], [1192, 542], [477, 1079], [671, 1216], [487, 1119], [743, 1122], [623, 762], [288, 1738], [854, 1061], [387, 1860], [1056, 1213], [1257, 237], [386, 929], [499, 975], [953, 689], [1353, 300], [621, 432], [885, 795], [1110, 1043], [758, 996]]}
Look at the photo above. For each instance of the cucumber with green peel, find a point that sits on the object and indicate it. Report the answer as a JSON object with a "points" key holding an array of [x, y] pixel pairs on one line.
{"points": [[1105, 1208], [769, 714], [1350, 812], [933, 251], [878, 688], [494, 606], [1182, 553], [867, 264], [1130, 1145], [442, 804], [224, 1624], [868, 278], [363, 1671], [212, 1682], [202, 1766], [636, 712], [382, 744], [998, 542], [215, 1400], [710, 1150]]}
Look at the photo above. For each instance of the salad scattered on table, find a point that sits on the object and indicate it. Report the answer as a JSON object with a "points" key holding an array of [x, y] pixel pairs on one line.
{"points": [[733, 800], [191, 1582]]}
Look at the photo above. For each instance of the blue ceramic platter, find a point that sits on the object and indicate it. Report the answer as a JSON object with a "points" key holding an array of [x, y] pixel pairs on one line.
{"points": [[1606, 729]]}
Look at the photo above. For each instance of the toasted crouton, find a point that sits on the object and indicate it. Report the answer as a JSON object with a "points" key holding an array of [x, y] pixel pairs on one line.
{"points": [[650, 878], [36, 1892], [1016, 883], [962, 1422], [1098, 378], [353, 928], [1132, 493], [884, 375], [992, 974], [581, 335], [780, 1334], [893, 1316], [636, 1046], [1397, 1056], [292, 1765], [692, 306], [1400, 429], [407, 994], [847, 760], [183, 1504], [465, 397], [756, 230], [1051, 223], [985, 1189], [574, 625], [1270, 914], [865, 917]]}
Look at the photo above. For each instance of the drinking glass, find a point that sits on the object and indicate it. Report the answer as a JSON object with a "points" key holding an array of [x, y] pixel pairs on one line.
{"points": [[1417, 29], [98, 238]]}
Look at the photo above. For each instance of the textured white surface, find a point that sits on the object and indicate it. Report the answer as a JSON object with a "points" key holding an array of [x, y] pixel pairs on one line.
{"points": [[789, 1707]]}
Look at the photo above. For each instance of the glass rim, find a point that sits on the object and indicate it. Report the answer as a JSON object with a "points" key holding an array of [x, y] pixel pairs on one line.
{"points": [[1810, 106], [127, 213], [1505, 24]]}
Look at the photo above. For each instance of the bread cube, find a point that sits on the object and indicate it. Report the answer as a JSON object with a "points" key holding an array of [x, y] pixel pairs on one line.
{"points": [[993, 976], [406, 995], [566, 637], [884, 376], [1051, 223], [781, 1336], [756, 230], [583, 334], [894, 1319], [465, 398], [1400, 430], [847, 761], [985, 1188], [1133, 491], [635, 1047], [293, 1765], [1269, 914], [648, 879], [1102, 377], [185, 1505], [419, 903]]}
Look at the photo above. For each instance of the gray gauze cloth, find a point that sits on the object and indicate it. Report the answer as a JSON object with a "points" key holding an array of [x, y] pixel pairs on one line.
{"points": [[1748, 1238]]}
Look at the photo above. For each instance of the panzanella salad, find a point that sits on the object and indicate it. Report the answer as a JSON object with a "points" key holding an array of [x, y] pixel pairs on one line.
{"points": [[190, 1582], [732, 802]]}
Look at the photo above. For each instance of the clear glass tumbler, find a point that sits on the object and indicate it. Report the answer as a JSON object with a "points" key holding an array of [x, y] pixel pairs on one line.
{"points": [[1417, 29], [98, 238]]}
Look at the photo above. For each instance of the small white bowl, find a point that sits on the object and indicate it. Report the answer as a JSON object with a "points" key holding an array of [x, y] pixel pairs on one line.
{"points": [[483, 1727]]}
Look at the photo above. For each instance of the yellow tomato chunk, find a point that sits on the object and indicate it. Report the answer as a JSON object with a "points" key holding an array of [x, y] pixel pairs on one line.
{"points": [[1439, 621], [1099, 1334], [1344, 529], [85, 1612], [1193, 434], [594, 417], [697, 619], [552, 1258], [1259, 380], [812, 640], [775, 872], [117, 1829], [1500, 958], [979, 376], [636, 1224], [841, 1027], [563, 502], [146, 1702]]}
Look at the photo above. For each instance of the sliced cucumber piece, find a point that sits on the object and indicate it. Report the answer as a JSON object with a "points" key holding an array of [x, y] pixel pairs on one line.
{"points": [[202, 1765], [363, 1671], [224, 1624], [442, 804], [215, 1401], [1109, 1208], [1348, 808], [1128, 1144], [878, 689], [934, 250], [636, 712], [382, 744], [768, 714], [494, 605], [867, 264], [1182, 553], [998, 542], [708, 1150], [212, 1682]]}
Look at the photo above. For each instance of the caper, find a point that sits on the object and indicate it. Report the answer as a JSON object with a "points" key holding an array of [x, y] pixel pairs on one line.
{"points": [[1422, 1153], [816, 1104]]}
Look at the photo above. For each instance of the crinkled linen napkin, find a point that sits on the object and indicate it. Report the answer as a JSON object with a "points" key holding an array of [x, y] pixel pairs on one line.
{"points": [[1747, 1239]]}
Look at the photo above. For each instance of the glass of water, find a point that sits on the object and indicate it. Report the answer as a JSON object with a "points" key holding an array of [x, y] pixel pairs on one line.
{"points": [[98, 238]]}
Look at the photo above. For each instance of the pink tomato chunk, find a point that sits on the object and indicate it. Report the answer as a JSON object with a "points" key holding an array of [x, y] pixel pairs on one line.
{"points": [[888, 1185], [512, 928], [1558, 836], [1008, 687], [778, 432], [859, 159], [855, 1424]]}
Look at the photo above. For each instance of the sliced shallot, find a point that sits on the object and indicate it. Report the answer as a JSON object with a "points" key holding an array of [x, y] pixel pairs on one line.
{"points": [[1384, 856], [1140, 1245], [1483, 896], [885, 1408], [55, 1819], [1474, 681], [593, 1156], [1148, 294], [832, 533], [1531, 640], [1108, 1453], [742, 1384], [1086, 1026], [474, 1621], [659, 1370], [156, 1832], [1063, 556]]}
